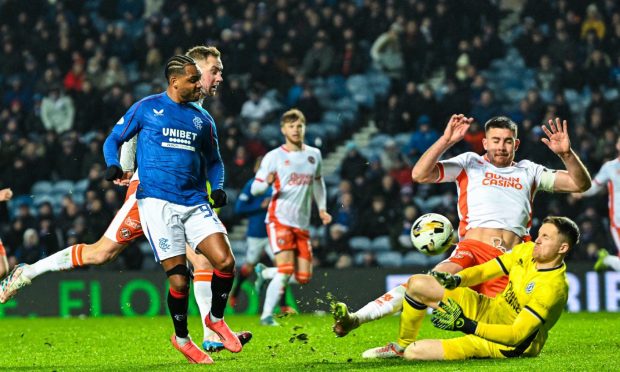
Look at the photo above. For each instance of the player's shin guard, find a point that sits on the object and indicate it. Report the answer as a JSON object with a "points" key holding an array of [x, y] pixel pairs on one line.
{"points": [[410, 321], [220, 287], [202, 294], [177, 304], [389, 303]]}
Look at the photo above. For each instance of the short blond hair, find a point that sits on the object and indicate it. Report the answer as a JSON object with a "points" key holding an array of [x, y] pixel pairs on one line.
{"points": [[291, 116], [202, 52]]}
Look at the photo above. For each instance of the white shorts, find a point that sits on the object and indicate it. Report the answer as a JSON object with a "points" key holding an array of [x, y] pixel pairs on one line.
{"points": [[167, 226], [256, 246]]}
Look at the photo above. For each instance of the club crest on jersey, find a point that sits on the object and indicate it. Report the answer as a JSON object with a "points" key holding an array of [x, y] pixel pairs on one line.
{"points": [[158, 112], [311, 159], [125, 233], [287, 163], [197, 122], [529, 288]]}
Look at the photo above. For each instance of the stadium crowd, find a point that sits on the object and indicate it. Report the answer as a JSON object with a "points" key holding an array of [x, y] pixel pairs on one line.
{"points": [[70, 69]]}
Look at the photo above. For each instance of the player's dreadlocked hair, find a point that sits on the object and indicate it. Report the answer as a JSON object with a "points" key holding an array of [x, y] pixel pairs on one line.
{"points": [[566, 227], [291, 116], [176, 65], [202, 52], [501, 122]]}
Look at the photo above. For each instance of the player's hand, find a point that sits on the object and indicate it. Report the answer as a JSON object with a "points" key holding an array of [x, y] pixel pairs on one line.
{"points": [[446, 280], [125, 179], [219, 198], [558, 140], [265, 203], [450, 317], [6, 194], [456, 128], [113, 173], [326, 218]]}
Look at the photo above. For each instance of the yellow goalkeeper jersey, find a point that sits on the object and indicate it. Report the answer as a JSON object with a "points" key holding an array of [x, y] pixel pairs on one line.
{"points": [[530, 305]]}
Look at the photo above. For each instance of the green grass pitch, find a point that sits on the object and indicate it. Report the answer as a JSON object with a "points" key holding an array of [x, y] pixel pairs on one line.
{"points": [[579, 342]]}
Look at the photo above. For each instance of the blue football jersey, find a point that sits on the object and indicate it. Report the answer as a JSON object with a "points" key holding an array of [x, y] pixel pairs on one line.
{"points": [[177, 149]]}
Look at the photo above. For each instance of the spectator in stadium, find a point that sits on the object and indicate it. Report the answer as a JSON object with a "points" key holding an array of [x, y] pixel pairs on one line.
{"points": [[354, 164], [31, 249], [57, 110], [386, 52]]}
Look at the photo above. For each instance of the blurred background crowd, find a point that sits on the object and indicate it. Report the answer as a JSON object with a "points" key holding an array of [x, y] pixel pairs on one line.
{"points": [[70, 69]]}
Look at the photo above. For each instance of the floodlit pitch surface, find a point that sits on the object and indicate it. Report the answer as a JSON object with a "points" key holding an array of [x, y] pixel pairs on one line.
{"points": [[579, 342]]}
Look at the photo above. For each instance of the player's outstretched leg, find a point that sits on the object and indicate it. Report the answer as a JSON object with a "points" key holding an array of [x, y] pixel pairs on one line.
{"points": [[191, 352], [13, 283], [391, 350], [344, 321], [214, 344]]}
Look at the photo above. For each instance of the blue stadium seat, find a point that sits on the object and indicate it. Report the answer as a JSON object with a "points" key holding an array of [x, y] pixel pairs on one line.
{"points": [[381, 243], [42, 187], [360, 243], [389, 259], [415, 258], [63, 187], [81, 186]]}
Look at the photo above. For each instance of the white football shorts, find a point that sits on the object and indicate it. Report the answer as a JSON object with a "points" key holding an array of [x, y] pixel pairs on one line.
{"points": [[256, 246], [167, 226]]}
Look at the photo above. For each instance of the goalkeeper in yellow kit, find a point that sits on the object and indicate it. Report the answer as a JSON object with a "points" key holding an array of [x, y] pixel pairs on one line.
{"points": [[515, 323]]}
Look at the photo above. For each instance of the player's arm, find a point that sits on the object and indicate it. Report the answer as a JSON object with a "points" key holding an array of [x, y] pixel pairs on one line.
{"points": [[526, 323], [600, 180], [426, 169], [128, 161], [215, 170], [476, 274], [126, 128], [247, 204], [265, 176], [576, 177], [319, 192]]}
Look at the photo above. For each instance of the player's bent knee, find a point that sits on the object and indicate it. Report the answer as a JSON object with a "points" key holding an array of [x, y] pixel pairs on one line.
{"points": [[225, 265]]}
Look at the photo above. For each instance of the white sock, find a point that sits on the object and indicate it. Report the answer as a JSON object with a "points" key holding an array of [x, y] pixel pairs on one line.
{"points": [[202, 294], [387, 304], [183, 340], [60, 260], [612, 262], [269, 273], [274, 292]]}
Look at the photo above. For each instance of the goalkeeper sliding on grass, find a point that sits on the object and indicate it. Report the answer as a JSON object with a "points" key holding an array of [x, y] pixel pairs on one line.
{"points": [[515, 323]]}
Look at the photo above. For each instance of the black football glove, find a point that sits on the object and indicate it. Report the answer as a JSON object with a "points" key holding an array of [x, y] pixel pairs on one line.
{"points": [[219, 198], [450, 317], [446, 280], [113, 172]]}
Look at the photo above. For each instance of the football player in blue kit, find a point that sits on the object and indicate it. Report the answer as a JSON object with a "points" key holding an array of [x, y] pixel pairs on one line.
{"points": [[177, 152]]}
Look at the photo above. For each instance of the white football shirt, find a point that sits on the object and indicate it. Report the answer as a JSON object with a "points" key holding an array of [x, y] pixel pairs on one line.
{"points": [[296, 172], [492, 197], [609, 175]]}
